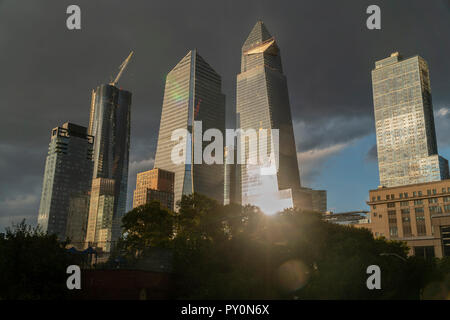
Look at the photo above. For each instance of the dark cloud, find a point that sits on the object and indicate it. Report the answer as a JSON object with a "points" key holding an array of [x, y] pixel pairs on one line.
{"points": [[48, 71]]}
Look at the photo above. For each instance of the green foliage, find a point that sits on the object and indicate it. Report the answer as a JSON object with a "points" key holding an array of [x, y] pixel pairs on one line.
{"points": [[235, 252], [32, 264]]}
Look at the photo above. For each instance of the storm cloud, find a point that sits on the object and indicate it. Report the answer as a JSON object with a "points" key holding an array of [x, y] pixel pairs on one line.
{"points": [[48, 72]]}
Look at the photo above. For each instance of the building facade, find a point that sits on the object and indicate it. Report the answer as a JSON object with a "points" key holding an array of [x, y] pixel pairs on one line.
{"points": [[193, 101], [262, 102], [101, 214], [155, 184], [67, 180], [406, 137], [418, 214], [109, 123]]}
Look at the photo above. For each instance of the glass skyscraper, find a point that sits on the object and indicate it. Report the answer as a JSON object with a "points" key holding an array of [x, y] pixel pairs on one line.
{"points": [[192, 93], [406, 137], [67, 182], [109, 123], [262, 102]]}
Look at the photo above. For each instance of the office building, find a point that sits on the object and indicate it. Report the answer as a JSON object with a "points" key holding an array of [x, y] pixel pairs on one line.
{"points": [[155, 184], [262, 102], [67, 181], [192, 95], [406, 137]]}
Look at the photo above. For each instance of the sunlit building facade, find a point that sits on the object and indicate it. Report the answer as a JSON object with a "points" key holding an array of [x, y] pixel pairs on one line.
{"points": [[418, 214], [192, 93], [154, 185], [109, 123], [406, 137], [101, 214], [263, 103], [67, 180]]}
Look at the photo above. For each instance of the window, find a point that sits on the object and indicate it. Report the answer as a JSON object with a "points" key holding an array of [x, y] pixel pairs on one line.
{"points": [[404, 203], [374, 214], [374, 206], [391, 205], [429, 192], [400, 195], [393, 231], [378, 198], [373, 198], [416, 202], [443, 190], [427, 252], [447, 208], [392, 197], [406, 194], [387, 197], [405, 210], [420, 193], [433, 200], [414, 194], [419, 210], [434, 191], [446, 199], [435, 209]]}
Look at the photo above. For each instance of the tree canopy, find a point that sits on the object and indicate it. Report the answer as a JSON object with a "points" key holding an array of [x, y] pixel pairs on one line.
{"points": [[238, 252]]}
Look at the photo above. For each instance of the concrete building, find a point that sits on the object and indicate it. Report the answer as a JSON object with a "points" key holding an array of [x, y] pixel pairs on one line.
{"points": [[404, 121], [193, 102], [262, 102], [155, 184], [109, 123], [67, 181], [418, 214]]}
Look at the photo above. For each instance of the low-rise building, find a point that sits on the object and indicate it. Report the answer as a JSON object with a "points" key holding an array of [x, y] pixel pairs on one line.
{"points": [[418, 214]]}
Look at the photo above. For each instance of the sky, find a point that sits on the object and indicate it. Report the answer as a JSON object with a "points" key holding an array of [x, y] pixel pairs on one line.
{"points": [[47, 74]]}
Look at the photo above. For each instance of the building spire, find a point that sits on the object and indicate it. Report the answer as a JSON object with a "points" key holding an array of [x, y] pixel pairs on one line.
{"points": [[258, 34]]}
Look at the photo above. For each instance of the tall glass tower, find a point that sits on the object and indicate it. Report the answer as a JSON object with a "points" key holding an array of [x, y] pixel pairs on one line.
{"points": [[67, 182], [262, 102], [406, 137], [192, 94], [109, 123]]}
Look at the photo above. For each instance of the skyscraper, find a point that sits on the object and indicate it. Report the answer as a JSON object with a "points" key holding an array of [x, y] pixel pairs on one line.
{"points": [[406, 137], [109, 123], [101, 214], [67, 180], [263, 103], [192, 94]]}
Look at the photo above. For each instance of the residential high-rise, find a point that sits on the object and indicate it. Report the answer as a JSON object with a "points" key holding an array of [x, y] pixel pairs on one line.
{"points": [[109, 123], [192, 95], [155, 184], [263, 103], [67, 180], [406, 137], [101, 214]]}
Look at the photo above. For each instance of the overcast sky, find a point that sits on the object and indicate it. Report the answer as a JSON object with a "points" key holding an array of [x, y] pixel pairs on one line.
{"points": [[47, 74]]}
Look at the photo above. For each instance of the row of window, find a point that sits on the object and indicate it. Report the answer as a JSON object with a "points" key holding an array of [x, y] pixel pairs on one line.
{"points": [[415, 194]]}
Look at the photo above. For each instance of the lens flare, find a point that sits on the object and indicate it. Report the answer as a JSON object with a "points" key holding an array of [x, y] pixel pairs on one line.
{"points": [[293, 275]]}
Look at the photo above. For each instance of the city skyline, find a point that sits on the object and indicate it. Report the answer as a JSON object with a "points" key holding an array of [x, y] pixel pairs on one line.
{"points": [[342, 144]]}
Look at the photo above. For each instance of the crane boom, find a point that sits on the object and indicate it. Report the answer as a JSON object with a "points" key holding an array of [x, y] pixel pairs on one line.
{"points": [[121, 69]]}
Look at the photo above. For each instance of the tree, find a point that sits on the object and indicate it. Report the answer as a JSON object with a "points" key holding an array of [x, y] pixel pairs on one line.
{"points": [[33, 264]]}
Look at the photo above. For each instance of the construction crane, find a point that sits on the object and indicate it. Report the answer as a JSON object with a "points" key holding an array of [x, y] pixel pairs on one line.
{"points": [[121, 69]]}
